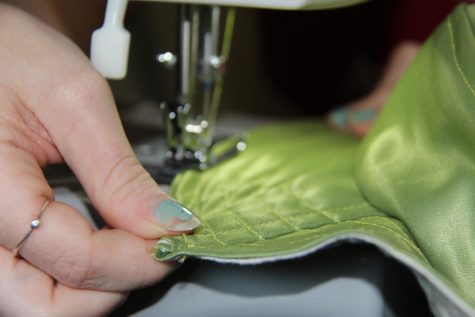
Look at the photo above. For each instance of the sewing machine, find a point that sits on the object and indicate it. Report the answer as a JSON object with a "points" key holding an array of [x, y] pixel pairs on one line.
{"points": [[190, 118], [189, 122]]}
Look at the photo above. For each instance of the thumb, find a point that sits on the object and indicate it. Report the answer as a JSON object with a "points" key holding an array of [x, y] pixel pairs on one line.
{"points": [[84, 125]]}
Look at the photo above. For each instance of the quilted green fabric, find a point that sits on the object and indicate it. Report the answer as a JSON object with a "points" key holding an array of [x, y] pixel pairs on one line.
{"points": [[294, 188], [291, 189]]}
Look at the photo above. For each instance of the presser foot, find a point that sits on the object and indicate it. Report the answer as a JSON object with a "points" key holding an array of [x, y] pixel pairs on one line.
{"points": [[177, 161]]}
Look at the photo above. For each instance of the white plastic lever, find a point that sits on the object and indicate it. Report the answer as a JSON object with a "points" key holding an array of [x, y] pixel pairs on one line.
{"points": [[110, 43]]}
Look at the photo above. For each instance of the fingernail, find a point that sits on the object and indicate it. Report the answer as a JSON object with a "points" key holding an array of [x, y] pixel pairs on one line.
{"points": [[176, 217], [363, 115], [339, 117]]}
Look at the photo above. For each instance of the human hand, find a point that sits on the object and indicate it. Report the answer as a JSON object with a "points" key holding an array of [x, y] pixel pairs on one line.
{"points": [[54, 107], [357, 117]]}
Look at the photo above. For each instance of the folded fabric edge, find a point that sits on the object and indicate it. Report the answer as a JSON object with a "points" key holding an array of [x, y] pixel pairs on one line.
{"points": [[462, 40], [438, 282]]}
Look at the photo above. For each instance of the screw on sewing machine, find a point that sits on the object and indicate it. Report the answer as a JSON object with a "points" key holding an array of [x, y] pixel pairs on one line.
{"points": [[167, 59]]}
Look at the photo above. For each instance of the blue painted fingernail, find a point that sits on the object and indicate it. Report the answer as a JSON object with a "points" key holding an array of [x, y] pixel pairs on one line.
{"points": [[339, 117], [363, 115], [176, 217]]}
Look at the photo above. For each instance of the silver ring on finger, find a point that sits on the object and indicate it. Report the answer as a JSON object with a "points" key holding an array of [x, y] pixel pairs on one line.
{"points": [[34, 224]]}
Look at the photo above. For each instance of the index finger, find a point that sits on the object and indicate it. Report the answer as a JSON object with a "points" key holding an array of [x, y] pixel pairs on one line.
{"points": [[65, 246]]}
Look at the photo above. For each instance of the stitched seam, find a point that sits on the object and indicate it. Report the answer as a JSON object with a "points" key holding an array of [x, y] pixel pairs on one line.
{"points": [[288, 219], [205, 223], [212, 233], [284, 220], [321, 212], [248, 227], [305, 213], [454, 55], [408, 243], [324, 212], [301, 230], [405, 238], [188, 243]]}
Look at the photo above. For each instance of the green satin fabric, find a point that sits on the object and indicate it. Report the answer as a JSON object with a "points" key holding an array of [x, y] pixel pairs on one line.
{"points": [[418, 163], [290, 190], [410, 185]]}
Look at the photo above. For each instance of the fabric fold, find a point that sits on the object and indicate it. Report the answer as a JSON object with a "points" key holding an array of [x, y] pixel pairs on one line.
{"points": [[418, 163]]}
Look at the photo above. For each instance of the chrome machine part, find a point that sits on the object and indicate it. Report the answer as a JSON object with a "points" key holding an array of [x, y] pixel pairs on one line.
{"points": [[190, 119]]}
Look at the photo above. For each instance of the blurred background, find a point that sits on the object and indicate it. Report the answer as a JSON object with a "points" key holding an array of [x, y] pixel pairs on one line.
{"points": [[282, 63]]}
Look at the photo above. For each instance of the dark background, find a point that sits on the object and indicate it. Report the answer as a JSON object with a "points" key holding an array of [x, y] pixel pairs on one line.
{"points": [[285, 63]]}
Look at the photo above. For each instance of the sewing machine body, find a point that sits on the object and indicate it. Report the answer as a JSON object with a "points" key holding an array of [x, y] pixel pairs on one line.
{"points": [[272, 4], [190, 118]]}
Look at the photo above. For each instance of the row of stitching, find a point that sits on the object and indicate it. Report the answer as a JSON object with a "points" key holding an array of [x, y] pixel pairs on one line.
{"points": [[197, 236], [227, 191], [212, 232], [454, 56], [325, 212], [308, 215], [230, 208], [399, 237], [248, 226], [189, 245], [283, 219], [410, 245], [404, 237]]}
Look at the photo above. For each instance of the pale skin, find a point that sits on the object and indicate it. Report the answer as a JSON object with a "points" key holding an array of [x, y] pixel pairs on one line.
{"points": [[54, 108], [398, 61]]}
